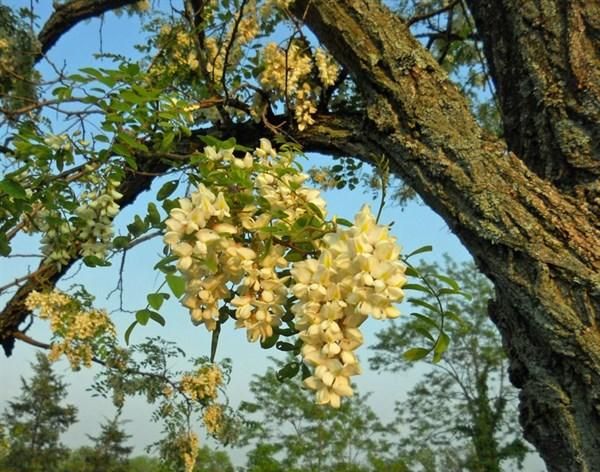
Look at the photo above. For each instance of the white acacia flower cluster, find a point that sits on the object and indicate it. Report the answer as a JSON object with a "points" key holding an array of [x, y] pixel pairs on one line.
{"points": [[77, 331], [95, 230], [187, 443], [203, 384], [58, 142], [213, 418], [357, 274], [231, 247], [288, 71], [89, 235], [229, 256], [327, 68]]}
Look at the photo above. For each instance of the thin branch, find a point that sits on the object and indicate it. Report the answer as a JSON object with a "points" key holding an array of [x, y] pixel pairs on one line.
{"points": [[425, 16]]}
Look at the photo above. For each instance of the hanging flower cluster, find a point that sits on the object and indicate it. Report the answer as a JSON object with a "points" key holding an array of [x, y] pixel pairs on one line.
{"points": [[203, 384], [357, 274], [89, 234], [187, 444], [95, 219], [236, 237], [78, 332], [219, 249], [213, 418], [287, 73]]}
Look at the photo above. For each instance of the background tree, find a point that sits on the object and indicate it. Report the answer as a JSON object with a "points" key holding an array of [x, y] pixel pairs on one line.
{"points": [[210, 460], [462, 415], [109, 452], [35, 421], [525, 204], [288, 431]]}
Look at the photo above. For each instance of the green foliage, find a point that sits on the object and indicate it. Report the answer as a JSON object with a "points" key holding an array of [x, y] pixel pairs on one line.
{"points": [[462, 415], [35, 420]]}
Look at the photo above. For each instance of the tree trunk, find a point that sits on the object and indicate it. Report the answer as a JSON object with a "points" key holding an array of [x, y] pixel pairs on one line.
{"points": [[525, 209]]}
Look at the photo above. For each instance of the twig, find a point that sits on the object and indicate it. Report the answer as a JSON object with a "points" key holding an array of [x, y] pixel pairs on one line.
{"points": [[425, 16]]}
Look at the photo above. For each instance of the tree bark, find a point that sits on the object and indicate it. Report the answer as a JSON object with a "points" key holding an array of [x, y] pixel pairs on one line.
{"points": [[529, 221]]}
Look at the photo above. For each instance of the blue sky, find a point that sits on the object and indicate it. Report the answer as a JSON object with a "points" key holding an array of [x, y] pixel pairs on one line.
{"points": [[415, 226]]}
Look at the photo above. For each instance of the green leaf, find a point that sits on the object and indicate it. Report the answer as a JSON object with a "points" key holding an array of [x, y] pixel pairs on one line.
{"points": [[287, 331], [440, 347], [412, 272], [167, 140], [424, 304], [155, 300], [288, 371], [283, 346], [316, 210], [13, 188], [4, 245], [120, 242], [132, 141], [343, 222], [142, 316], [154, 316], [269, 342], [418, 287], [95, 261], [129, 331], [448, 280], [305, 371], [415, 354], [425, 319], [153, 214], [176, 283], [294, 256], [167, 189], [420, 250], [424, 332], [164, 262], [137, 227]]}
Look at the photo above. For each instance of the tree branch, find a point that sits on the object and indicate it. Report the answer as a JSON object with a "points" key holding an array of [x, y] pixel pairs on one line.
{"points": [[67, 15]]}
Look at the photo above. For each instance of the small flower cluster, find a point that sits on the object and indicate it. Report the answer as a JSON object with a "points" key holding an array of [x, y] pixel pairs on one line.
{"points": [[95, 220], [357, 274], [80, 331], [89, 235], [203, 384], [218, 249], [213, 418], [180, 48], [188, 448], [327, 68], [58, 142], [287, 72]]}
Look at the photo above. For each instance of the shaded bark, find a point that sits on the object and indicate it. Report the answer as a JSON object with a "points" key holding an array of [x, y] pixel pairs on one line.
{"points": [[544, 59], [537, 242]]}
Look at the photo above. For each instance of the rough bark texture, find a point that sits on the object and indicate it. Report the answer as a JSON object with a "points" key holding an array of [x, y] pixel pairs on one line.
{"points": [[523, 219], [544, 57]]}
